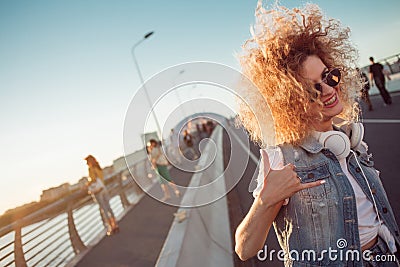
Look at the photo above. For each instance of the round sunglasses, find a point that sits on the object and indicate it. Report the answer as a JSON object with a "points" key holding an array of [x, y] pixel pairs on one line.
{"points": [[331, 78]]}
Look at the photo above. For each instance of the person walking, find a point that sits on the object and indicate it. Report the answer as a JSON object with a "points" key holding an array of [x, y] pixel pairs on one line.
{"points": [[160, 164], [365, 89], [377, 76], [99, 193], [189, 142], [317, 183], [386, 71]]}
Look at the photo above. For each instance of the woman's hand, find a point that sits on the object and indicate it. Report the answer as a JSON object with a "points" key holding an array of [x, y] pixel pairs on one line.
{"points": [[278, 185], [282, 184]]}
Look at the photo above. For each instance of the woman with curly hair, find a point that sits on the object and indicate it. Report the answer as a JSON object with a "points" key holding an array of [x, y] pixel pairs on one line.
{"points": [[160, 164], [317, 184]]}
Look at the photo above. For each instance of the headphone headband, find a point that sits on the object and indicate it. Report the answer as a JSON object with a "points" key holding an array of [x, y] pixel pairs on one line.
{"points": [[341, 142]]}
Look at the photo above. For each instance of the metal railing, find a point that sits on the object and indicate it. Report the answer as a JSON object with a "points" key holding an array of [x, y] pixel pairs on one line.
{"points": [[202, 222], [57, 233], [392, 63]]}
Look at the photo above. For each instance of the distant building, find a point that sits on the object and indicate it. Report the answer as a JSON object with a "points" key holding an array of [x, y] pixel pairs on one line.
{"points": [[135, 157], [80, 185], [147, 136], [55, 192], [108, 171], [83, 180], [21, 208]]}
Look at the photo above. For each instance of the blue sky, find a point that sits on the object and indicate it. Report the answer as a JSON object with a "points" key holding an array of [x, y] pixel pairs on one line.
{"points": [[67, 76]]}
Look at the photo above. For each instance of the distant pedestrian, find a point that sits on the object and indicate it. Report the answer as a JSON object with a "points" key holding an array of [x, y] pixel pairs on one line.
{"points": [[210, 127], [205, 129], [377, 76], [189, 142], [160, 164], [199, 131], [386, 71], [98, 191], [365, 88]]}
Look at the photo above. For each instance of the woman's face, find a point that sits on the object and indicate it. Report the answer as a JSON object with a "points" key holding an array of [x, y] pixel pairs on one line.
{"points": [[314, 69], [153, 144]]}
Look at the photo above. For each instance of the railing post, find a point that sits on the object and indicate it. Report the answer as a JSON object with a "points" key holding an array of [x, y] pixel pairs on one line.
{"points": [[134, 171], [122, 195], [18, 250], [76, 241], [390, 67]]}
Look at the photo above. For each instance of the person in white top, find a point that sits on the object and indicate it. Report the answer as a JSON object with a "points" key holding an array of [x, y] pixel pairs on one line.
{"points": [[160, 164], [317, 184]]}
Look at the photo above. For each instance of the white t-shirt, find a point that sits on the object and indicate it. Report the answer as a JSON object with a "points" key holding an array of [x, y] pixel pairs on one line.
{"points": [[273, 159], [368, 224], [157, 153]]}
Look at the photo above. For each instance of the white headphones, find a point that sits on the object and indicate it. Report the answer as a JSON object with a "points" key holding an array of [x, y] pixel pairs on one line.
{"points": [[341, 142]]}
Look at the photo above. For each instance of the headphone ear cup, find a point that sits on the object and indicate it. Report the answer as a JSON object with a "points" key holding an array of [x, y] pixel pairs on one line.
{"points": [[337, 142], [356, 134]]}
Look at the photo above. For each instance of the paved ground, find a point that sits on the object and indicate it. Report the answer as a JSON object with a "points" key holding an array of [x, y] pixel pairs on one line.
{"points": [[382, 136], [145, 227], [142, 233]]}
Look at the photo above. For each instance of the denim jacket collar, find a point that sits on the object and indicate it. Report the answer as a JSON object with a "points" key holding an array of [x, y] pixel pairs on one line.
{"points": [[310, 144]]}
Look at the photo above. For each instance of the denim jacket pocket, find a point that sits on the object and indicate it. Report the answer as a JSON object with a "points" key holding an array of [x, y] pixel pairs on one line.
{"points": [[312, 174]]}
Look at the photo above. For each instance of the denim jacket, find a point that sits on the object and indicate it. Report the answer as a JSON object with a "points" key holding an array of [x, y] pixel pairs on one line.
{"points": [[324, 218]]}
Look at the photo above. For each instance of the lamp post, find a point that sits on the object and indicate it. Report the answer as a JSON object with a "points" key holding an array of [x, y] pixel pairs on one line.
{"points": [[178, 96], [147, 35]]}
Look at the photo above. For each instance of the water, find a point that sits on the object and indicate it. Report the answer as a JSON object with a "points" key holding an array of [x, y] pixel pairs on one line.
{"points": [[6, 239], [47, 242]]}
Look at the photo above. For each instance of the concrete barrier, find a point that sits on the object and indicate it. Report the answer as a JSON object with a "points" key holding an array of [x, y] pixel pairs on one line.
{"points": [[203, 238]]}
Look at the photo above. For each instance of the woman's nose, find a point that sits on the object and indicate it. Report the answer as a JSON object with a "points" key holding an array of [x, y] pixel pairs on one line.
{"points": [[326, 89]]}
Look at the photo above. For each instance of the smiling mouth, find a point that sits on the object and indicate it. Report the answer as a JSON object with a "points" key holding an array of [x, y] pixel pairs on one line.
{"points": [[330, 101]]}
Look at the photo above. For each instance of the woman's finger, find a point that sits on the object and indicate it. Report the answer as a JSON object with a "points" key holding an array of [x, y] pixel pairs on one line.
{"points": [[311, 184]]}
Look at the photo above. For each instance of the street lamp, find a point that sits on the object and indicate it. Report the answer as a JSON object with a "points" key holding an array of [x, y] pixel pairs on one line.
{"points": [[178, 96], [147, 35]]}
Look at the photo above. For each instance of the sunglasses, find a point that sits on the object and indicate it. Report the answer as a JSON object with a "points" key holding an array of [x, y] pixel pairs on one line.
{"points": [[331, 78]]}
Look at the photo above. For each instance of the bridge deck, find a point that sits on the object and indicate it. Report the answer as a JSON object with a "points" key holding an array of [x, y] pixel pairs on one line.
{"points": [[145, 227]]}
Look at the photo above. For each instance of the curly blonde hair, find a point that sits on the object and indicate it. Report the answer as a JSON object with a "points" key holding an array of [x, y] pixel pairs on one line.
{"points": [[272, 59]]}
